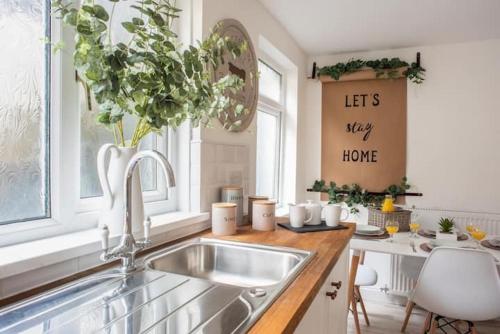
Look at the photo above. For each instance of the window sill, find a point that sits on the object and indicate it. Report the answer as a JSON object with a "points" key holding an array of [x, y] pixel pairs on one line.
{"points": [[21, 258]]}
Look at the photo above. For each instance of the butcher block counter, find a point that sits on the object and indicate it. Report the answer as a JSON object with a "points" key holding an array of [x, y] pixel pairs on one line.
{"points": [[287, 311]]}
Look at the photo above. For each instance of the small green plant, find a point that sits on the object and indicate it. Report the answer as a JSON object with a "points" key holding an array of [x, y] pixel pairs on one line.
{"points": [[446, 225]]}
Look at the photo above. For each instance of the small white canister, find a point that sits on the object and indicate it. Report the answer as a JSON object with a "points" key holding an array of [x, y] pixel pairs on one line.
{"points": [[223, 218], [234, 194], [252, 199], [263, 215]]}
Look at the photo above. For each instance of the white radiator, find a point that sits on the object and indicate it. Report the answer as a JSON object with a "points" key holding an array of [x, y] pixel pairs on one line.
{"points": [[489, 222]]}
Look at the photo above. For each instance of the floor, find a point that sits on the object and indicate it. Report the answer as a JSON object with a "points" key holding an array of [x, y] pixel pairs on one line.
{"points": [[387, 317]]}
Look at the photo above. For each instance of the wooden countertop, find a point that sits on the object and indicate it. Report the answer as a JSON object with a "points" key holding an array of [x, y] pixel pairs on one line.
{"points": [[286, 312]]}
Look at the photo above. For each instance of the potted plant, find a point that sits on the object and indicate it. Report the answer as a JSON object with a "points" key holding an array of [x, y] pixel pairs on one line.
{"points": [[446, 229], [148, 76]]}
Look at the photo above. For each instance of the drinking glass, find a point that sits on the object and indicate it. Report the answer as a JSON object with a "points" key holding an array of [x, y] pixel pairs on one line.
{"points": [[414, 225], [392, 227], [470, 228], [478, 235]]}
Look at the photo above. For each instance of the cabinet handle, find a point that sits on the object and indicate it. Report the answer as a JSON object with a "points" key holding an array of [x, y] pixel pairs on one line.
{"points": [[332, 295], [338, 284]]}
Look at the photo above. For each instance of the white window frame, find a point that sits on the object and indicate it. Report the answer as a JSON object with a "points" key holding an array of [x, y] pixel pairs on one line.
{"points": [[278, 109], [68, 212]]}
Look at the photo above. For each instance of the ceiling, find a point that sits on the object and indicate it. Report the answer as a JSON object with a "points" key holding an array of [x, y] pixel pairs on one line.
{"points": [[336, 26]]}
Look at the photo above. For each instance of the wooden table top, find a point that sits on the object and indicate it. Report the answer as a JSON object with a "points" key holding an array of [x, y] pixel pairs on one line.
{"points": [[285, 313]]}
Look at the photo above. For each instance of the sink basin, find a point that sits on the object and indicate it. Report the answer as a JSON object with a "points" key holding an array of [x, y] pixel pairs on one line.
{"points": [[200, 286], [240, 264]]}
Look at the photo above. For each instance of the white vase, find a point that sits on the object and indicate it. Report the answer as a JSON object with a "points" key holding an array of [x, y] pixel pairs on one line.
{"points": [[112, 182]]}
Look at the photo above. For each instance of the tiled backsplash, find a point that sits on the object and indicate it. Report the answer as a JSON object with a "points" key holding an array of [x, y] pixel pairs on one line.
{"points": [[223, 164]]}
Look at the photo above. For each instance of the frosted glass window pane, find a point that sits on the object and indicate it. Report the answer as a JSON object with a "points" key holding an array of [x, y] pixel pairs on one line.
{"points": [[267, 154], [24, 85], [93, 136], [269, 82]]}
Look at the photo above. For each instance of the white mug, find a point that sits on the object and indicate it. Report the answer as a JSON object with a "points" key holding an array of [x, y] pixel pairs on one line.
{"points": [[333, 214], [298, 215]]}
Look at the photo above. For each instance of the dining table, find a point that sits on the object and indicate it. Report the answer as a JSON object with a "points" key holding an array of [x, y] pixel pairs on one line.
{"points": [[402, 244]]}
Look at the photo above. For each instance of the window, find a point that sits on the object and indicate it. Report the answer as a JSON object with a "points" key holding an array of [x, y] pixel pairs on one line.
{"points": [[269, 128], [24, 111], [50, 139]]}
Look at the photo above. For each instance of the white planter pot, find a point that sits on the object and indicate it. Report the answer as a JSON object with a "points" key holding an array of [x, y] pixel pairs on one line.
{"points": [[446, 236], [112, 183]]}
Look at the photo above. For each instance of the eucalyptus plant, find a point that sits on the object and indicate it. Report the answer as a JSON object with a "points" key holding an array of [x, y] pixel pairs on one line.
{"points": [[151, 76]]}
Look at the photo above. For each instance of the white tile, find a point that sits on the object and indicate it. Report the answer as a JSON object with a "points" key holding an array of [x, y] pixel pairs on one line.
{"points": [[221, 175], [225, 153], [242, 154], [209, 152], [209, 174], [235, 177]]}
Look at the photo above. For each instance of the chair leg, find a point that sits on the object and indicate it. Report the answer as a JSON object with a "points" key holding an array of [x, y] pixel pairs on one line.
{"points": [[363, 309], [434, 326], [355, 315], [427, 323], [409, 309]]}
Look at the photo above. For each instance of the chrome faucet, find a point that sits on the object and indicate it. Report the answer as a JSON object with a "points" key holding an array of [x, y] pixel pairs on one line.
{"points": [[128, 246]]}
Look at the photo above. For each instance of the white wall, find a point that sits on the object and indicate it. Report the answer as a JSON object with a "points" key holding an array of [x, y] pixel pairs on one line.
{"points": [[270, 39], [453, 153]]}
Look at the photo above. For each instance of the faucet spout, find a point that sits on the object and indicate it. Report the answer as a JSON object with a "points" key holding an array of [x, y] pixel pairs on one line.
{"points": [[129, 172], [128, 246]]}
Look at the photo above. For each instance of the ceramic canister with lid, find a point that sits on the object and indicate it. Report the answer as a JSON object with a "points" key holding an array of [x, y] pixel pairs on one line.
{"points": [[234, 194], [223, 218], [263, 215], [252, 199]]}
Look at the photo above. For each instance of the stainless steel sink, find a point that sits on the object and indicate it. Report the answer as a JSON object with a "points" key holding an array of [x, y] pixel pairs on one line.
{"points": [[239, 264], [199, 286]]}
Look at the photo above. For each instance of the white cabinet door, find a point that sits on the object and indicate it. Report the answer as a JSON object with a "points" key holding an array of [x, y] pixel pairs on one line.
{"points": [[326, 315], [338, 307]]}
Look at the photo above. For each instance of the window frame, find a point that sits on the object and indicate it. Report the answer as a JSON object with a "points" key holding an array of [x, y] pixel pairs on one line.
{"points": [[67, 212], [277, 109]]}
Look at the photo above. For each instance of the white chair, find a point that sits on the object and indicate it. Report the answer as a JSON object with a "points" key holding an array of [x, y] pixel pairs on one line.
{"points": [[458, 284], [365, 276]]}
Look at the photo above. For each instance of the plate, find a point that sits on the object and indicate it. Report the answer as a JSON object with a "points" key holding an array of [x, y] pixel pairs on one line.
{"points": [[368, 229], [494, 242]]}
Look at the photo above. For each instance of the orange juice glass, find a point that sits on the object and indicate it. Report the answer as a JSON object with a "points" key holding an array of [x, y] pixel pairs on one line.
{"points": [[392, 227], [478, 234]]}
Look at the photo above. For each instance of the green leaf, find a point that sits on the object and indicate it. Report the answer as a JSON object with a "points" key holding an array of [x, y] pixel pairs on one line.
{"points": [[71, 17], [138, 21], [129, 26], [83, 27], [101, 13]]}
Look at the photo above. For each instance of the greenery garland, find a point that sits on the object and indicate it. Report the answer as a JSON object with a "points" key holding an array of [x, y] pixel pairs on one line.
{"points": [[354, 194], [383, 68]]}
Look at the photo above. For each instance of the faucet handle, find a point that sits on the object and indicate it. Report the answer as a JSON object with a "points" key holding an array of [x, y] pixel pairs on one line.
{"points": [[105, 238], [147, 229]]}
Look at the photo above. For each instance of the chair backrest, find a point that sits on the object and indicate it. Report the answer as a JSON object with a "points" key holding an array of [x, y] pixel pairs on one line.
{"points": [[460, 284]]}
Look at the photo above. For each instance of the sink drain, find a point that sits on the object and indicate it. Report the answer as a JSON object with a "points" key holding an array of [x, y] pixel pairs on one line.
{"points": [[257, 292]]}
